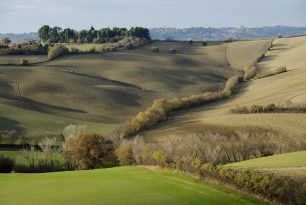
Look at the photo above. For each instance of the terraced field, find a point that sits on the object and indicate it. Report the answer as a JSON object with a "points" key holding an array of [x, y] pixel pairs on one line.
{"points": [[121, 185], [286, 89]]}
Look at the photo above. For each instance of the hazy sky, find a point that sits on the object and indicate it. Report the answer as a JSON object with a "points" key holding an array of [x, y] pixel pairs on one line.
{"points": [[29, 15]]}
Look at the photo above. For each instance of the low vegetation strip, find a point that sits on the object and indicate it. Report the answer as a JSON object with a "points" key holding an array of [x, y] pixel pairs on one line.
{"points": [[160, 108], [271, 108], [115, 186]]}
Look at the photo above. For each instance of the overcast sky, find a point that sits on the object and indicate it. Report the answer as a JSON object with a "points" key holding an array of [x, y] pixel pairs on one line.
{"points": [[28, 15]]}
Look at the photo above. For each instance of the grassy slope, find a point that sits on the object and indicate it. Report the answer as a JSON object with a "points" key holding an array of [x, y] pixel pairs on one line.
{"points": [[295, 159], [283, 89], [111, 87], [289, 164], [35, 123], [239, 55], [242, 54], [116, 186]]}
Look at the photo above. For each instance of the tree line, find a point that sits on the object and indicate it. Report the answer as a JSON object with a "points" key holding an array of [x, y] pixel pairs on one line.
{"points": [[56, 34]]}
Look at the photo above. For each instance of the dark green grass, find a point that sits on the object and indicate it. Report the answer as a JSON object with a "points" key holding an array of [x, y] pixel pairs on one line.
{"points": [[115, 186]]}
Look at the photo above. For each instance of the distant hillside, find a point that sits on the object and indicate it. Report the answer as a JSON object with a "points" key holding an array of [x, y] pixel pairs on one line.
{"points": [[213, 34], [199, 33], [17, 37]]}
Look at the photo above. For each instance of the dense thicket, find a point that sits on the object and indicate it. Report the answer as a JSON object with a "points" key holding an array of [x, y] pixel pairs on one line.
{"points": [[58, 35]]}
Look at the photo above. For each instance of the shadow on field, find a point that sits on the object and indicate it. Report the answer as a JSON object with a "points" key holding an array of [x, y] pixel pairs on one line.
{"points": [[7, 124]]}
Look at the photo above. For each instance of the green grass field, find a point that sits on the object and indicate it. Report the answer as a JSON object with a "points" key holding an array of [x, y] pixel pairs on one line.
{"points": [[114, 186], [295, 159], [289, 164]]}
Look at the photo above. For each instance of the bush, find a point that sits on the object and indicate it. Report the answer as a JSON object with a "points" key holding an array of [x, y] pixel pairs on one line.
{"points": [[249, 72], [160, 158], [155, 49], [204, 43], [124, 154], [90, 151], [257, 109], [92, 50], [231, 84], [28, 48], [172, 50], [270, 108], [6, 164], [228, 40], [129, 46], [24, 61], [74, 50], [56, 51]]}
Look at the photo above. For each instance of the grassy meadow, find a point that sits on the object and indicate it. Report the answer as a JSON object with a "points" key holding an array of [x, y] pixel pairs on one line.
{"points": [[121, 185], [288, 164], [295, 159]]}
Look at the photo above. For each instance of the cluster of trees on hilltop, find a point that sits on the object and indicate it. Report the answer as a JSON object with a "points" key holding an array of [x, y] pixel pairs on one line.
{"points": [[58, 35]]}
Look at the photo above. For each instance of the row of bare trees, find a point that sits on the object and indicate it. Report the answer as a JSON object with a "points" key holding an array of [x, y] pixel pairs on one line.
{"points": [[209, 147]]}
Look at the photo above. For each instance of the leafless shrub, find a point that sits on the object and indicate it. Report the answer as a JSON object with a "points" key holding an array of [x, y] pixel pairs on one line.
{"points": [[172, 50], [155, 49], [24, 61], [57, 51], [74, 130]]}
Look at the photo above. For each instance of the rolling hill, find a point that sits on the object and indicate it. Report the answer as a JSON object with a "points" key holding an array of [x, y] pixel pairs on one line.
{"points": [[121, 185], [289, 164], [109, 88], [286, 89]]}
